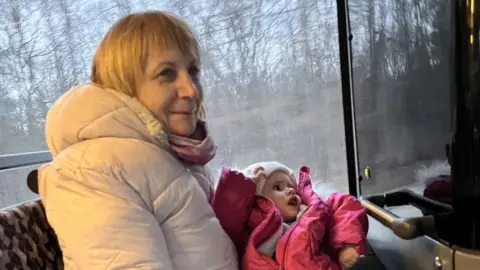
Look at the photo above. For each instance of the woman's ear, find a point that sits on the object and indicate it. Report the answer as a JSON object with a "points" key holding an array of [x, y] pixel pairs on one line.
{"points": [[201, 114]]}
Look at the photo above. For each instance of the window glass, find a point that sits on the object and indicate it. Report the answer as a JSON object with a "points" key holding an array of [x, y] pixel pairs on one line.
{"points": [[401, 54], [270, 73]]}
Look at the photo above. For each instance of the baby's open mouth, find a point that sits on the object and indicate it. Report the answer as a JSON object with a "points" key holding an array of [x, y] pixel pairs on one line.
{"points": [[293, 201]]}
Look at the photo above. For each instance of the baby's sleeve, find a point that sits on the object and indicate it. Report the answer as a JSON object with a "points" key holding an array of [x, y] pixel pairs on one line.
{"points": [[349, 223], [233, 202]]}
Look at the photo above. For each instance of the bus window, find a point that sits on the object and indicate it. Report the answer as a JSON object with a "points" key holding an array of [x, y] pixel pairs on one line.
{"points": [[402, 82], [270, 72]]}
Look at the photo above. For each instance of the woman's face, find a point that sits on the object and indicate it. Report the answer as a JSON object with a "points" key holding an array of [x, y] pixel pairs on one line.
{"points": [[169, 88]]}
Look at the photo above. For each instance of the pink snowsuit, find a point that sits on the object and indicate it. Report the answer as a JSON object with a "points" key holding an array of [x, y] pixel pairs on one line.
{"points": [[313, 242]]}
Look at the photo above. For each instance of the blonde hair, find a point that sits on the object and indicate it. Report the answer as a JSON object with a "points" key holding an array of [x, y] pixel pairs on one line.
{"points": [[121, 58]]}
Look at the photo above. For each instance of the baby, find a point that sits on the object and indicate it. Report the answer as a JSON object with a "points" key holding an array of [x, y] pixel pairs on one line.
{"points": [[287, 223]]}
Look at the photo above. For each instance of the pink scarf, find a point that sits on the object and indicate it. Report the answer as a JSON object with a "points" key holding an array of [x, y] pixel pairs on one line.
{"points": [[193, 151]]}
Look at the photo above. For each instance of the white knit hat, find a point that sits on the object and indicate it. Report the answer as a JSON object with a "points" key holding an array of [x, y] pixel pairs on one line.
{"points": [[259, 172]]}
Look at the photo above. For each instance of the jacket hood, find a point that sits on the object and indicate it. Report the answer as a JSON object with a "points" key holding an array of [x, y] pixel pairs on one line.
{"points": [[89, 112]]}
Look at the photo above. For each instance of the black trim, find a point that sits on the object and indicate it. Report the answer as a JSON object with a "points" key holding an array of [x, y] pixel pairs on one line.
{"points": [[465, 146], [344, 42]]}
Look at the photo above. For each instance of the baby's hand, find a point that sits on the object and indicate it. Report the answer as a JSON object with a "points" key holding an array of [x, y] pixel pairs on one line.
{"points": [[303, 209], [347, 257]]}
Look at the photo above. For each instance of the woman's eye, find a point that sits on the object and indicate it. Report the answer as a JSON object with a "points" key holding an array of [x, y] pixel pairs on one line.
{"points": [[168, 74]]}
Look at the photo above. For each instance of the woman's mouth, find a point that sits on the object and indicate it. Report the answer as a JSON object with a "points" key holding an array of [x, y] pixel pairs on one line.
{"points": [[183, 112]]}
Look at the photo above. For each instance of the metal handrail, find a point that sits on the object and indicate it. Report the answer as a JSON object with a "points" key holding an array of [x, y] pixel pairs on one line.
{"points": [[14, 161], [406, 228]]}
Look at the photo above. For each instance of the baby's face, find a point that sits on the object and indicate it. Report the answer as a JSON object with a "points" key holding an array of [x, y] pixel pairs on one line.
{"points": [[279, 188]]}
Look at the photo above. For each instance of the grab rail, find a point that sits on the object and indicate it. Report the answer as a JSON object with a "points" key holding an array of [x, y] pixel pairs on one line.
{"points": [[405, 228], [13, 161]]}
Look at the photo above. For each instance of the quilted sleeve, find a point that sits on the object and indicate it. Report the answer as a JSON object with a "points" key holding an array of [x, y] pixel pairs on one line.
{"points": [[233, 202], [103, 223], [349, 225]]}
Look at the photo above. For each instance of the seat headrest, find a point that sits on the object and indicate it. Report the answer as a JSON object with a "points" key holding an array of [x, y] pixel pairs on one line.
{"points": [[32, 181]]}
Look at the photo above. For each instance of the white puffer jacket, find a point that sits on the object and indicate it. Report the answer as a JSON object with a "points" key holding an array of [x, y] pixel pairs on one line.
{"points": [[118, 198]]}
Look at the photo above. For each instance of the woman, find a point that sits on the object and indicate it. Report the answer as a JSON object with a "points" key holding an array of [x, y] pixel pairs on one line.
{"points": [[127, 188]]}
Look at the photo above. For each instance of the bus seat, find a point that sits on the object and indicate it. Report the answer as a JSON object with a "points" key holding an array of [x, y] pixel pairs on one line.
{"points": [[26, 239]]}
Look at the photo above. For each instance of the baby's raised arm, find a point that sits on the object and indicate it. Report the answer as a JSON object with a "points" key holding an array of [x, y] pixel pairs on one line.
{"points": [[233, 202], [349, 223]]}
